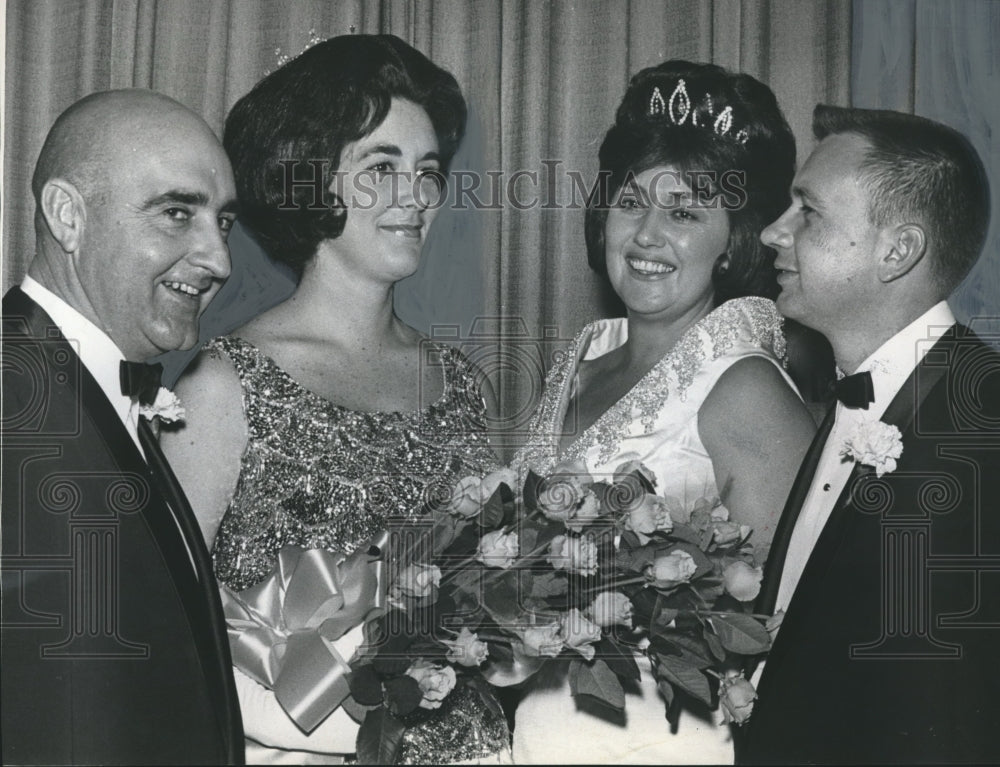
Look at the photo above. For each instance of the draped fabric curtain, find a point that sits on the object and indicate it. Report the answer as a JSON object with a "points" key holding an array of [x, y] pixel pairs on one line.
{"points": [[939, 59], [542, 80]]}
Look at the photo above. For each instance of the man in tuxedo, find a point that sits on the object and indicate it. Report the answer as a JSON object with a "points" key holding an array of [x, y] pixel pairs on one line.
{"points": [[114, 646], [885, 563]]}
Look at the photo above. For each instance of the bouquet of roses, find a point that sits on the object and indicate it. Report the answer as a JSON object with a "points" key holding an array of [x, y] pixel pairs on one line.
{"points": [[496, 582]]}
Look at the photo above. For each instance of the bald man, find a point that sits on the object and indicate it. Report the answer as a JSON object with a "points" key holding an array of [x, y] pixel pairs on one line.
{"points": [[114, 648]]}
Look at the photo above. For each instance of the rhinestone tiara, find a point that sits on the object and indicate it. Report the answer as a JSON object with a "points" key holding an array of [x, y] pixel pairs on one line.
{"points": [[678, 109]]}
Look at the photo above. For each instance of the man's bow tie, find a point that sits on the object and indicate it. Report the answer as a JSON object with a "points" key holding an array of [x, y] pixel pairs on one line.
{"points": [[140, 380], [856, 390]]}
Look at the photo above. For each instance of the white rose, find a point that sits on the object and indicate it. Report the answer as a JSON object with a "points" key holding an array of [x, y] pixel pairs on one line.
{"points": [[724, 533], [611, 608], [435, 681], [466, 649], [465, 498], [586, 513], [575, 555], [651, 514], [498, 549], [418, 580], [670, 570], [558, 497], [742, 581], [578, 633], [542, 641], [736, 697]]}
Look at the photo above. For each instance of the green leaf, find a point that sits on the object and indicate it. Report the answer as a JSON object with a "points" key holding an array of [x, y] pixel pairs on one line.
{"points": [[634, 557], [393, 656], [714, 645], [527, 539], [685, 676], [686, 533], [493, 511], [692, 650], [507, 665], [620, 659], [598, 681], [741, 634], [710, 588], [550, 584], [379, 737], [663, 616], [501, 598], [366, 687], [443, 533], [466, 542], [530, 495], [666, 690], [628, 545], [402, 695]]}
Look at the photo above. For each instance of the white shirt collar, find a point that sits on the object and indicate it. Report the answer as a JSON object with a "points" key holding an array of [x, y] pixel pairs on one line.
{"points": [[96, 350], [892, 363]]}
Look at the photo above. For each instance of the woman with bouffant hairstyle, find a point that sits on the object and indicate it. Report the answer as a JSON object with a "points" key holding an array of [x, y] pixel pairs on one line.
{"points": [[690, 381], [749, 176], [319, 419]]}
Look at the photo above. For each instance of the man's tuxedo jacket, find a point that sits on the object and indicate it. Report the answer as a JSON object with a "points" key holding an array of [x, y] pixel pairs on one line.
{"points": [[890, 647], [113, 650]]}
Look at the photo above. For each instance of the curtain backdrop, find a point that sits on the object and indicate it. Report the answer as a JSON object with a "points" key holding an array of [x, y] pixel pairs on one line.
{"points": [[940, 59], [542, 80]]}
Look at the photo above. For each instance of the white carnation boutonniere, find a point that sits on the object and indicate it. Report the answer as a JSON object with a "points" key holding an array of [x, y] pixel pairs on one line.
{"points": [[875, 444], [167, 407]]}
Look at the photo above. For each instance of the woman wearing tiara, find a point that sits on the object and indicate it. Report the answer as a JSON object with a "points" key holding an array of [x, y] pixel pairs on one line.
{"points": [[318, 419], [691, 381]]}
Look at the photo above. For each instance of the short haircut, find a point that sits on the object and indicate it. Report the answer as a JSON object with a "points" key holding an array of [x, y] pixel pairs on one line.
{"points": [[920, 171], [336, 92], [640, 140]]}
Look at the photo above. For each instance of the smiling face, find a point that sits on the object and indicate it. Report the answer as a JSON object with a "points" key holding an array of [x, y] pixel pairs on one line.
{"points": [[827, 246], [388, 180], [661, 247], [153, 251]]}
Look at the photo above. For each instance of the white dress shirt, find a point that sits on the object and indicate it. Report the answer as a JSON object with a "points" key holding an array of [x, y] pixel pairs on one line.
{"points": [[97, 352]]}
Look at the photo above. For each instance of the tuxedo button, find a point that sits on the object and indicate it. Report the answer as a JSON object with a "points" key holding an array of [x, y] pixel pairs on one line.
{"points": [[826, 487]]}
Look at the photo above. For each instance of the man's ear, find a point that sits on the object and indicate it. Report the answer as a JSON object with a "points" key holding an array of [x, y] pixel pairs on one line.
{"points": [[64, 212], [904, 246]]}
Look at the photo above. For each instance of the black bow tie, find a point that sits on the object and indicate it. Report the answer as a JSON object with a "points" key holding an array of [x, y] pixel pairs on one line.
{"points": [[856, 390], [140, 380]]}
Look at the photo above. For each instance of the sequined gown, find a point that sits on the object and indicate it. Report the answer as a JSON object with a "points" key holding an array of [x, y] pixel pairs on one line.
{"points": [[657, 423], [315, 474]]}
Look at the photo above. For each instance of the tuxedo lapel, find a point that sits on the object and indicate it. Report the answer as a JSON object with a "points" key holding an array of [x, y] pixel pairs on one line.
{"points": [[214, 634], [790, 514]]}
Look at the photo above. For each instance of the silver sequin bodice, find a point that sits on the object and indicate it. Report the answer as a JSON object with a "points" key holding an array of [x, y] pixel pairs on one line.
{"points": [[315, 474]]}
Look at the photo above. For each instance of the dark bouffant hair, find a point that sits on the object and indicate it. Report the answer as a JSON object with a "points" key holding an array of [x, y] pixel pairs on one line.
{"points": [[920, 171], [306, 112], [764, 163]]}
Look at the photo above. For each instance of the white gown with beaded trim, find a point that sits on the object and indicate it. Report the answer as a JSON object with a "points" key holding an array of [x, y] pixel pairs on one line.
{"points": [[657, 423]]}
